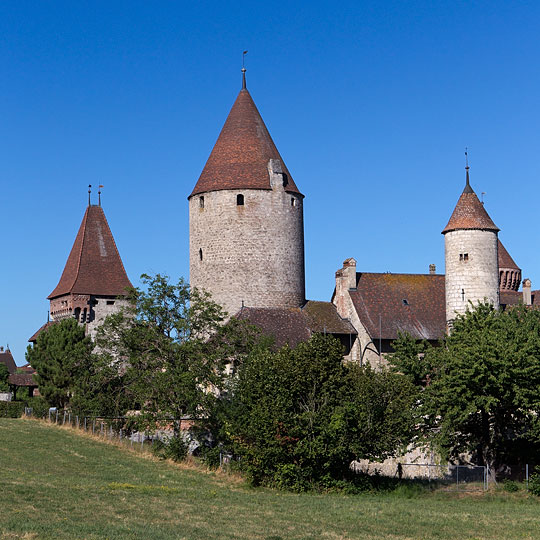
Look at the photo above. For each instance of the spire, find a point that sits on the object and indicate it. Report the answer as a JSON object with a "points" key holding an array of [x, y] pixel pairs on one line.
{"points": [[469, 212], [240, 157], [94, 265], [244, 87]]}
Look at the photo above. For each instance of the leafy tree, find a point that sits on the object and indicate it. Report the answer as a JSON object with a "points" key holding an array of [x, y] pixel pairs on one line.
{"points": [[4, 376], [482, 394], [166, 356], [298, 417], [58, 356], [409, 358]]}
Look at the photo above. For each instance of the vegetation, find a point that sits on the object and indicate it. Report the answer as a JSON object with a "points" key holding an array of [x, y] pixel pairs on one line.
{"points": [[63, 485], [4, 375], [479, 390], [297, 418]]}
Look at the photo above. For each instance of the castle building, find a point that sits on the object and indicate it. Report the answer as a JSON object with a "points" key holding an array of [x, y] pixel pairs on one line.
{"points": [[94, 281], [471, 255], [246, 225]]}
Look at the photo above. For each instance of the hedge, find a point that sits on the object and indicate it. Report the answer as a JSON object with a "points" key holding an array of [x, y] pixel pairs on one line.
{"points": [[11, 409]]}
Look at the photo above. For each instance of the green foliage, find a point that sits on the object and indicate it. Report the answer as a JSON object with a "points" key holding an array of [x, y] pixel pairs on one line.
{"points": [[60, 356], [39, 406], [482, 394], [534, 482], [510, 486], [4, 376], [174, 448], [409, 357], [298, 417], [11, 409]]}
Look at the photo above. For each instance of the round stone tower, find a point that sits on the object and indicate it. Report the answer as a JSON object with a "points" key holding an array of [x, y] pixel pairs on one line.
{"points": [[471, 255], [246, 225]]}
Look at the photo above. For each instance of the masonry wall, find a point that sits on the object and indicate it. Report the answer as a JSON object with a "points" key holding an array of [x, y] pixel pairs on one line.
{"points": [[103, 308], [472, 272], [252, 252]]}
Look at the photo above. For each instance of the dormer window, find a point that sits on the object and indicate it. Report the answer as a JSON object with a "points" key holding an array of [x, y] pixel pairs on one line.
{"points": [[239, 200], [201, 202]]}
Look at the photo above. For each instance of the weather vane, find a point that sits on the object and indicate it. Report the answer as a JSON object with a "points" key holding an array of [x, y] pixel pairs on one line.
{"points": [[243, 70], [466, 158], [89, 191], [99, 194]]}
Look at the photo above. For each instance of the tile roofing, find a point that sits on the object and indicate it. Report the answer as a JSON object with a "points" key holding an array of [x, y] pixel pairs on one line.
{"points": [[239, 159], [412, 303], [511, 298], [33, 339], [6, 358], [294, 325], [469, 213], [505, 260], [94, 265], [22, 379]]}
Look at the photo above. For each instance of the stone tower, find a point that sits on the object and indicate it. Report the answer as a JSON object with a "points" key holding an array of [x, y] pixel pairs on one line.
{"points": [[471, 255], [246, 225], [94, 280]]}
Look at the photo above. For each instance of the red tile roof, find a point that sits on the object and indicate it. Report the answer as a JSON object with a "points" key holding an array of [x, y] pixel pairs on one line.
{"points": [[94, 265], [33, 339], [240, 156], [469, 213], [505, 260], [6, 358], [22, 379], [412, 303]]}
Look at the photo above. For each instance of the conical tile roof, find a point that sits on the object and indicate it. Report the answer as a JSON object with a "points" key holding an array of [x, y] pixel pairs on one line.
{"points": [[94, 265], [505, 259], [469, 213], [239, 159]]}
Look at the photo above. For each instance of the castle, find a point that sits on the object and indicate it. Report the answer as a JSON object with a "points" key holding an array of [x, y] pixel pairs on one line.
{"points": [[246, 247]]}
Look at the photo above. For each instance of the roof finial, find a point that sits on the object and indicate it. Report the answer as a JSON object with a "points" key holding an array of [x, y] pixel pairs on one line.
{"points": [[243, 71], [468, 188], [89, 191], [99, 194]]}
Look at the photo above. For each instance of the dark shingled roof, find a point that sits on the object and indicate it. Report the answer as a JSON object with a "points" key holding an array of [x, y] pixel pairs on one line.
{"points": [[240, 156], [22, 379], [33, 339], [505, 260], [6, 358], [293, 325], [469, 213], [412, 303], [511, 298], [94, 265]]}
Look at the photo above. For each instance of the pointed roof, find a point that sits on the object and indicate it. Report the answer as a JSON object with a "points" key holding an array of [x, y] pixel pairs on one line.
{"points": [[469, 212], [239, 159], [94, 265], [505, 260]]}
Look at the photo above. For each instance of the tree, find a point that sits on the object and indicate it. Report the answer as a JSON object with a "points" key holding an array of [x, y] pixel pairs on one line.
{"points": [[166, 356], [58, 356], [4, 376], [482, 395], [299, 417]]}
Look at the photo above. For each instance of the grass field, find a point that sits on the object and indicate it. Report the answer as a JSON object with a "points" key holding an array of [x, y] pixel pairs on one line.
{"points": [[57, 483]]}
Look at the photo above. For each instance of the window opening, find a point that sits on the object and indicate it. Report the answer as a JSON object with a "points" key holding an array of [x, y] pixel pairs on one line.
{"points": [[463, 256], [201, 202], [240, 200], [293, 201], [200, 254], [110, 302]]}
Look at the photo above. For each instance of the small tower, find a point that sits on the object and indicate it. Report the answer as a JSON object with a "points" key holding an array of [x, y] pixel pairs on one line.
{"points": [[94, 279], [246, 226], [471, 255]]}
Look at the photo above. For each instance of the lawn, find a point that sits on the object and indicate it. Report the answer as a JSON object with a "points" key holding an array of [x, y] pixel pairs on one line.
{"points": [[57, 483]]}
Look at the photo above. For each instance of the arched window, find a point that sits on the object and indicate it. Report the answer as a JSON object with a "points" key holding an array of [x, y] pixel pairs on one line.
{"points": [[200, 254], [239, 200]]}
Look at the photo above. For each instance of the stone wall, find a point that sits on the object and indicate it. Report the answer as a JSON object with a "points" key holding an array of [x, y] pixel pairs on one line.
{"points": [[251, 252], [102, 307], [472, 272]]}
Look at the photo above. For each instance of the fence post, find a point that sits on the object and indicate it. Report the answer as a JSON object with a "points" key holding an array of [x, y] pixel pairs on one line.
{"points": [[527, 476]]}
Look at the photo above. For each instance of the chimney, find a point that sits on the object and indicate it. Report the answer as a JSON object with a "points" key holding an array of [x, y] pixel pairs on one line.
{"points": [[527, 297], [432, 269], [1, 348], [349, 273], [345, 281]]}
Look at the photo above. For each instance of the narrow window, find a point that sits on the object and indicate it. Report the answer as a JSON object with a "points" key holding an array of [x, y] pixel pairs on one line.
{"points": [[239, 200], [200, 254], [201, 202], [461, 256], [463, 295], [110, 302], [465, 256], [293, 201]]}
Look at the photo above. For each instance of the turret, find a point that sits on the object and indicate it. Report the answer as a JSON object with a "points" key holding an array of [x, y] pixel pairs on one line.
{"points": [[471, 255], [246, 228]]}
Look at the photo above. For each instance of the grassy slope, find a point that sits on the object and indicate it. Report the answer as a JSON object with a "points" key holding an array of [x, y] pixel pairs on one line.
{"points": [[55, 483]]}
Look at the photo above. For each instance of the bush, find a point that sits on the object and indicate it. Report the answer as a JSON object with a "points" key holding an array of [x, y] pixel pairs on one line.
{"points": [[534, 482], [174, 448], [510, 486], [39, 406], [11, 409]]}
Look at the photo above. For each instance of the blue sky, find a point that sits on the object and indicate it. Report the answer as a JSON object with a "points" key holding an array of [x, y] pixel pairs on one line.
{"points": [[370, 104]]}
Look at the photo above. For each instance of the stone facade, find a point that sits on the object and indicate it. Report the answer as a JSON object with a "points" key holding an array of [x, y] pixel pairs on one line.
{"points": [[472, 272], [247, 245]]}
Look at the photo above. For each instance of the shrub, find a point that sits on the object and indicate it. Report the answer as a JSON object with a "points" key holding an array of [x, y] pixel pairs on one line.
{"points": [[510, 486], [39, 406], [174, 448], [534, 482], [11, 409]]}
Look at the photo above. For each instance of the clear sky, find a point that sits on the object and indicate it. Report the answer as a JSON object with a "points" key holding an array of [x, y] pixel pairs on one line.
{"points": [[371, 105]]}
